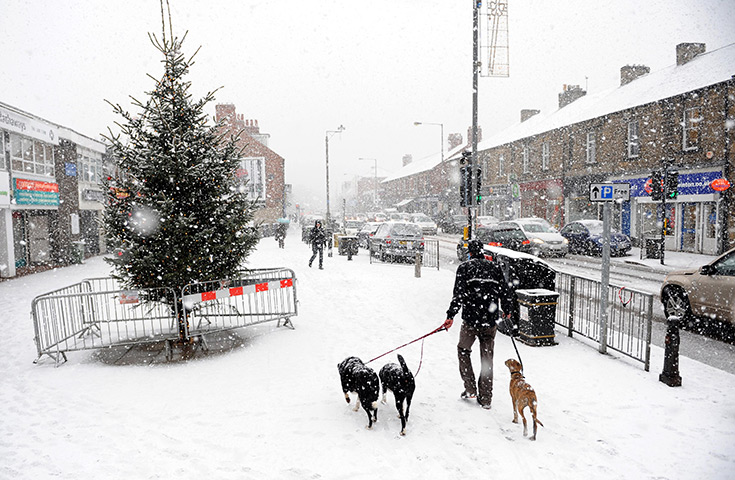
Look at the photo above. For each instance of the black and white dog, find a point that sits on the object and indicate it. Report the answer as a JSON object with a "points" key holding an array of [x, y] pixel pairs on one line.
{"points": [[360, 379], [399, 380]]}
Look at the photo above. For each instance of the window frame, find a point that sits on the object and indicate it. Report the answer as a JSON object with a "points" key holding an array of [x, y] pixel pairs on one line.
{"points": [[691, 124], [545, 155], [526, 154], [634, 145], [591, 147], [30, 156]]}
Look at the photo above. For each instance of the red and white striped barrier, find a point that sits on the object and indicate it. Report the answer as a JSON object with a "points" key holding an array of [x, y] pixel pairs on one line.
{"points": [[238, 291]]}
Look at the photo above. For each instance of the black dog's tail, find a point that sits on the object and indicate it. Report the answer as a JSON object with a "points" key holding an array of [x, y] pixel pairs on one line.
{"points": [[403, 365]]}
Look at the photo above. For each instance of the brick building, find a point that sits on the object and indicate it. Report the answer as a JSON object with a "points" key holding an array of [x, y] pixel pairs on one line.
{"points": [[261, 168], [681, 118]]}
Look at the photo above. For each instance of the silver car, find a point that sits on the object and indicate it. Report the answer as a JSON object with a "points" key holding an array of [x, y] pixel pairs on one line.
{"points": [[708, 291], [545, 240]]}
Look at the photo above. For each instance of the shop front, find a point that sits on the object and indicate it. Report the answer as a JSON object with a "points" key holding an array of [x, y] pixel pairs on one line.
{"points": [[543, 199], [692, 220], [497, 201], [33, 217]]}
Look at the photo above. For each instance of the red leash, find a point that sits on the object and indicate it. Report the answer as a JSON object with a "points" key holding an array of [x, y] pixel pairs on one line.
{"points": [[409, 343]]}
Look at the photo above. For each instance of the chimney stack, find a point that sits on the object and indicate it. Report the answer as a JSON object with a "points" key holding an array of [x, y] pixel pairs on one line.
{"points": [[685, 52], [408, 158], [629, 73], [570, 94], [455, 140], [527, 113]]}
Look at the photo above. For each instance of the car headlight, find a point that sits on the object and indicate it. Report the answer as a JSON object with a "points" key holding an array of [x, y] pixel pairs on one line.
{"points": [[565, 241], [537, 240]]}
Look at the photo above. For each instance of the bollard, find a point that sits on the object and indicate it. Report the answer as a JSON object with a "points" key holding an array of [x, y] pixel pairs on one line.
{"points": [[670, 375], [417, 271], [349, 249]]}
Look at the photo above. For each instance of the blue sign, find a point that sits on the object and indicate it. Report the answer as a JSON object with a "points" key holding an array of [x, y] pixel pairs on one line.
{"points": [[689, 184], [606, 192], [70, 169]]}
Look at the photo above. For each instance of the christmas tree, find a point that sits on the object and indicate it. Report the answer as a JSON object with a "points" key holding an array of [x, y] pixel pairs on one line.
{"points": [[175, 212]]}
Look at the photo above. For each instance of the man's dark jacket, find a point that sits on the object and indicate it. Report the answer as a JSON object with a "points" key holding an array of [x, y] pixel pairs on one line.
{"points": [[478, 287]]}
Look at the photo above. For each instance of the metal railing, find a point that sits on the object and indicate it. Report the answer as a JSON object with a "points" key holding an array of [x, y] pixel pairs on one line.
{"points": [[429, 255], [630, 315], [97, 313], [261, 296]]}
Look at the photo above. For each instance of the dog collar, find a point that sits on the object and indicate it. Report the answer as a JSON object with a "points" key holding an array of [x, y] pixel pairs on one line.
{"points": [[519, 373]]}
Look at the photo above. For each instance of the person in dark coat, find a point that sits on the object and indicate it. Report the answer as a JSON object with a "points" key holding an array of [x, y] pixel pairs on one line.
{"points": [[480, 290], [281, 230], [317, 238]]}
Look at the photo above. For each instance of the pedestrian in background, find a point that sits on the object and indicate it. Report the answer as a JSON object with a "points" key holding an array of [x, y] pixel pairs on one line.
{"points": [[317, 238], [480, 289]]}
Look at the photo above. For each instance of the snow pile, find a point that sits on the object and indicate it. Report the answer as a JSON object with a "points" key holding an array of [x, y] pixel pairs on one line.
{"points": [[273, 408]]}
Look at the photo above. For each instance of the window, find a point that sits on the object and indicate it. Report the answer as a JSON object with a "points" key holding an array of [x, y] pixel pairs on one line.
{"points": [[501, 166], [692, 119], [526, 159], [634, 146], [591, 147], [89, 165], [545, 155], [31, 156]]}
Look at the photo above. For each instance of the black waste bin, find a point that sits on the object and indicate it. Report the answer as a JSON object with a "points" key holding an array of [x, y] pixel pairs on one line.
{"points": [[652, 247], [347, 245], [525, 272], [536, 317]]}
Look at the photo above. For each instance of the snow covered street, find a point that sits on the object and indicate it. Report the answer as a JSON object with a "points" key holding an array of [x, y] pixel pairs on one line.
{"points": [[273, 406]]}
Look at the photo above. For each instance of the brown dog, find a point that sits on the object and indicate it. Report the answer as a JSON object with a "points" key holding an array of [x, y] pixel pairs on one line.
{"points": [[522, 395]]}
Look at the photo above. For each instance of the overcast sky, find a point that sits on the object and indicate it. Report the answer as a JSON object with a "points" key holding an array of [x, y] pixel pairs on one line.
{"points": [[304, 67]]}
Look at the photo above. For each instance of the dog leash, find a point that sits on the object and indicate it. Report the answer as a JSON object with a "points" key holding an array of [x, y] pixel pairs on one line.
{"points": [[512, 339], [439, 329]]}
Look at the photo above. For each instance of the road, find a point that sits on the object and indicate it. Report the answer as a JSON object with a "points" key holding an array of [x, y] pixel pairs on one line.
{"points": [[707, 350]]}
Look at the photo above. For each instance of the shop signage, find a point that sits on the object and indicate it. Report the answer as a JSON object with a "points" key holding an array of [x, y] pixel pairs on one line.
{"points": [[93, 196], [30, 127], [33, 192], [4, 189], [70, 169], [689, 183], [720, 184]]}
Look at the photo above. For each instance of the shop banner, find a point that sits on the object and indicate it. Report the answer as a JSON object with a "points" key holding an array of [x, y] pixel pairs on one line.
{"points": [[689, 184], [30, 127], [33, 192]]}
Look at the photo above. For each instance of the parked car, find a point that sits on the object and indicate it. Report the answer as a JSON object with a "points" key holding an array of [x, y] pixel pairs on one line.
{"points": [[708, 291], [585, 237], [352, 227], [428, 226], [486, 221], [505, 236], [381, 217], [396, 240], [454, 224], [366, 233], [545, 240]]}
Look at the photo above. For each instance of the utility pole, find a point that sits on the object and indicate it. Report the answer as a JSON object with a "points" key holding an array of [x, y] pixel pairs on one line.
{"points": [[476, 4]]}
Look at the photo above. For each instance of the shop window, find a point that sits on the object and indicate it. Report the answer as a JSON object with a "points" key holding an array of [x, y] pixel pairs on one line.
{"points": [[710, 219], [692, 122], [31, 156], [634, 146]]}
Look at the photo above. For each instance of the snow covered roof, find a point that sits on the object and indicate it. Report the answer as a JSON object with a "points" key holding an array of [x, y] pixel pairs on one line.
{"points": [[704, 70], [424, 164]]}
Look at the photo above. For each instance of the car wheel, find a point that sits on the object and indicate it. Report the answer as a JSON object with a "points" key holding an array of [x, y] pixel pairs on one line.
{"points": [[676, 303]]}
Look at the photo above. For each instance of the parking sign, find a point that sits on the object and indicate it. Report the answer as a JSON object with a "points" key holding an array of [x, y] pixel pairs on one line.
{"points": [[608, 192]]}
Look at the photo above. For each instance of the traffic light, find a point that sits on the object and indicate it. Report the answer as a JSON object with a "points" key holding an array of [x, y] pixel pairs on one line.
{"points": [[671, 188], [656, 186], [478, 195], [465, 185]]}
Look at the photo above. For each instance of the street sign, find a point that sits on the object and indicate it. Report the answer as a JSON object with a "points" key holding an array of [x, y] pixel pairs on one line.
{"points": [[609, 192]]}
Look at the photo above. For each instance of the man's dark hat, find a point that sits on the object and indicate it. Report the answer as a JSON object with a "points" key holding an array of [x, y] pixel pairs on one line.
{"points": [[474, 247]]}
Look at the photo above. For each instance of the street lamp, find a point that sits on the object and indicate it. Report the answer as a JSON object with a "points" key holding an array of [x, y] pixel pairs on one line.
{"points": [[375, 193], [442, 133], [326, 141]]}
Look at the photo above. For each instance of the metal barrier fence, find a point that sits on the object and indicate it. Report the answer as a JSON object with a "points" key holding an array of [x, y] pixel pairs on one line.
{"points": [[630, 315], [429, 256], [97, 313], [261, 296]]}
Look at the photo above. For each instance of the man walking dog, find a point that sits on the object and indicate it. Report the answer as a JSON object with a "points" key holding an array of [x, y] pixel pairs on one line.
{"points": [[479, 289]]}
